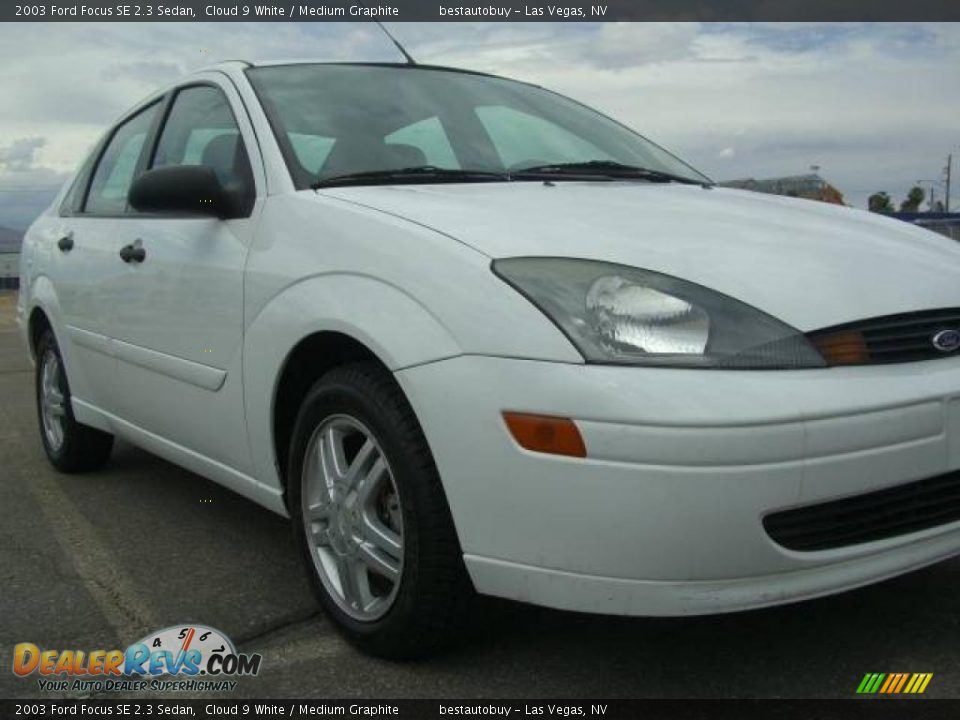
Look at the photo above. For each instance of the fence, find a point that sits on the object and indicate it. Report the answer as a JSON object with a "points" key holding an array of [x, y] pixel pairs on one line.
{"points": [[9, 271], [941, 222]]}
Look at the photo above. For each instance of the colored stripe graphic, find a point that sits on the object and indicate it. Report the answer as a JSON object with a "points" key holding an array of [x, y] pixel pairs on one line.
{"points": [[894, 683], [891, 680], [870, 683], [903, 680]]}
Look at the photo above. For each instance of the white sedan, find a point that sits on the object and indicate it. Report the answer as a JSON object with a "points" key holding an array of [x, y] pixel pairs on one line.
{"points": [[474, 337]]}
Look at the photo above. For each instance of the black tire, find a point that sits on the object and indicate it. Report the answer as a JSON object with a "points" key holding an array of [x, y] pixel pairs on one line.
{"points": [[434, 596], [82, 448]]}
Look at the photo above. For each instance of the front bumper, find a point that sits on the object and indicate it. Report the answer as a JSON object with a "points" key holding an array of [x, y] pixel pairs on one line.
{"points": [[664, 515]]}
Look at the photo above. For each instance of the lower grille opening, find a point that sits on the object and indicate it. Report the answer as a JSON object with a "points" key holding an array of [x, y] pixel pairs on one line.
{"points": [[876, 515]]}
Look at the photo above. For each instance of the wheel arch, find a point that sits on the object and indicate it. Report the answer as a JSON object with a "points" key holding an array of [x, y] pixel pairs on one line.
{"points": [[42, 313], [37, 323], [312, 357], [314, 326]]}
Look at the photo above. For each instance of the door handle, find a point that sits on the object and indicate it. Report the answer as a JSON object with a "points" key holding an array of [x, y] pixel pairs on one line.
{"points": [[133, 252], [65, 243]]}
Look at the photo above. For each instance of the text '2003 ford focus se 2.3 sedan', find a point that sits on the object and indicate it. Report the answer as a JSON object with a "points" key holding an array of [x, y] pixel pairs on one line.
{"points": [[475, 337]]}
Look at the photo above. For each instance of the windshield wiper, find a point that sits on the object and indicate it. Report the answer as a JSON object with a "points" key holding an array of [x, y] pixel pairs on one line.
{"points": [[606, 169], [421, 173], [591, 169]]}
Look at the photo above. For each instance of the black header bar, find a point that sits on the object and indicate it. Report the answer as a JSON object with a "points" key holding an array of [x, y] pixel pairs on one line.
{"points": [[476, 10]]}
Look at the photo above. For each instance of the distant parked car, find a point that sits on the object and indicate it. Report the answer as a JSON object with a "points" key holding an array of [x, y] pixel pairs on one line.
{"points": [[472, 336]]}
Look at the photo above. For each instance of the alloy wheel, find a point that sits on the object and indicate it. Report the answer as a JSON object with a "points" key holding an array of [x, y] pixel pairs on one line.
{"points": [[352, 517], [51, 400]]}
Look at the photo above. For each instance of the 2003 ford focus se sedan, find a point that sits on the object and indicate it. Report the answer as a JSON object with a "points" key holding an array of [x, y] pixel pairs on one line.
{"points": [[474, 337]]}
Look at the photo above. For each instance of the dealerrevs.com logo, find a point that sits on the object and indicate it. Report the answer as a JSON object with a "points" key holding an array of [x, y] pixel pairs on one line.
{"points": [[188, 658]]}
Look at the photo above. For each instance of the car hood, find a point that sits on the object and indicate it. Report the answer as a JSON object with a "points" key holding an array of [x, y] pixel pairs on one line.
{"points": [[810, 264]]}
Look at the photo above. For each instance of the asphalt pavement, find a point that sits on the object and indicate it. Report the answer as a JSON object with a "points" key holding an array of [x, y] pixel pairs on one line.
{"points": [[97, 561]]}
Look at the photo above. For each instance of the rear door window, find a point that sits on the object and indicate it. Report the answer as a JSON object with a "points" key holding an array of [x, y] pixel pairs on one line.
{"points": [[118, 163]]}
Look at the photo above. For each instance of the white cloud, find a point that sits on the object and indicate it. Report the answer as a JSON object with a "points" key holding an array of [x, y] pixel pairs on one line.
{"points": [[19, 155]]}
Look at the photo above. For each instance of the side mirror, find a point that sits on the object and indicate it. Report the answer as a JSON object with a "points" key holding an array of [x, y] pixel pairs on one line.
{"points": [[191, 189]]}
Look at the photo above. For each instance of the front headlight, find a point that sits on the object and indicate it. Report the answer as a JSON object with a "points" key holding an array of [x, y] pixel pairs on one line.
{"points": [[619, 314]]}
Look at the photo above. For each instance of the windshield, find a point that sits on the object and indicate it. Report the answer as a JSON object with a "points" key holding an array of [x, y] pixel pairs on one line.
{"points": [[337, 120]]}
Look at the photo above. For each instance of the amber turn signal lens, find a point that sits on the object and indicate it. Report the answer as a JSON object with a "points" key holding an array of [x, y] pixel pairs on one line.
{"points": [[845, 348], [546, 434]]}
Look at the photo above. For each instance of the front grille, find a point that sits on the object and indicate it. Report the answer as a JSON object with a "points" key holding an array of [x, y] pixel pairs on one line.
{"points": [[907, 337], [873, 516]]}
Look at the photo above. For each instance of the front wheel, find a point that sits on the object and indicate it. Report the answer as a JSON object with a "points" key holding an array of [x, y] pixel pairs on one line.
{"points": [[371, 517], [70, 446]]}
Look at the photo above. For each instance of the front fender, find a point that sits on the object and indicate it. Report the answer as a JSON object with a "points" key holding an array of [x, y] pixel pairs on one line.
{"points": [[393, 325]]}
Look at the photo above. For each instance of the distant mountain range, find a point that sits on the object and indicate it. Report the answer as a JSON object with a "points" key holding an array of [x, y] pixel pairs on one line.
{"points": [[19, 209], [10, 240]]}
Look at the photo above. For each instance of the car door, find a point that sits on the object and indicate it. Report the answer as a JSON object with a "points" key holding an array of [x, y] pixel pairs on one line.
{"points": [[83, 263], [178, 321]]}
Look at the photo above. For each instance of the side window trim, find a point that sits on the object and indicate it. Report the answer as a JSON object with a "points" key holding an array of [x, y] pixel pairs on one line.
{"points": [[153, 137], [75, 197], [101, 151]]}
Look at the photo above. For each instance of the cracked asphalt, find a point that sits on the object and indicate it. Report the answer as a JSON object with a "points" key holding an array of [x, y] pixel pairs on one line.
{"points": [[98, 561]]}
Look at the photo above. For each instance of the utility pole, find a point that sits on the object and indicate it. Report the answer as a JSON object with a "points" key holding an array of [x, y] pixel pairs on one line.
{"points": [[946, 202]]}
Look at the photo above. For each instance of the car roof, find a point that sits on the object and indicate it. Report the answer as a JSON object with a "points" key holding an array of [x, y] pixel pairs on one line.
{"points": [[246, 64], [237, 67]]}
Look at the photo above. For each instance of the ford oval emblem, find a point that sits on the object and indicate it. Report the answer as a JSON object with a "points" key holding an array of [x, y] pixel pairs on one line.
{"points": [[947, 340]]}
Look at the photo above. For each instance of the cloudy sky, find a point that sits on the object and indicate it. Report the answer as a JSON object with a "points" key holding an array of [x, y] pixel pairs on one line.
{"points": [[877, 107]]}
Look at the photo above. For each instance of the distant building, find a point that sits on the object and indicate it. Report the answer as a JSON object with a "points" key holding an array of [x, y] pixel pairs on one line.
{"points": [[810, 187], [9, 258]]}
